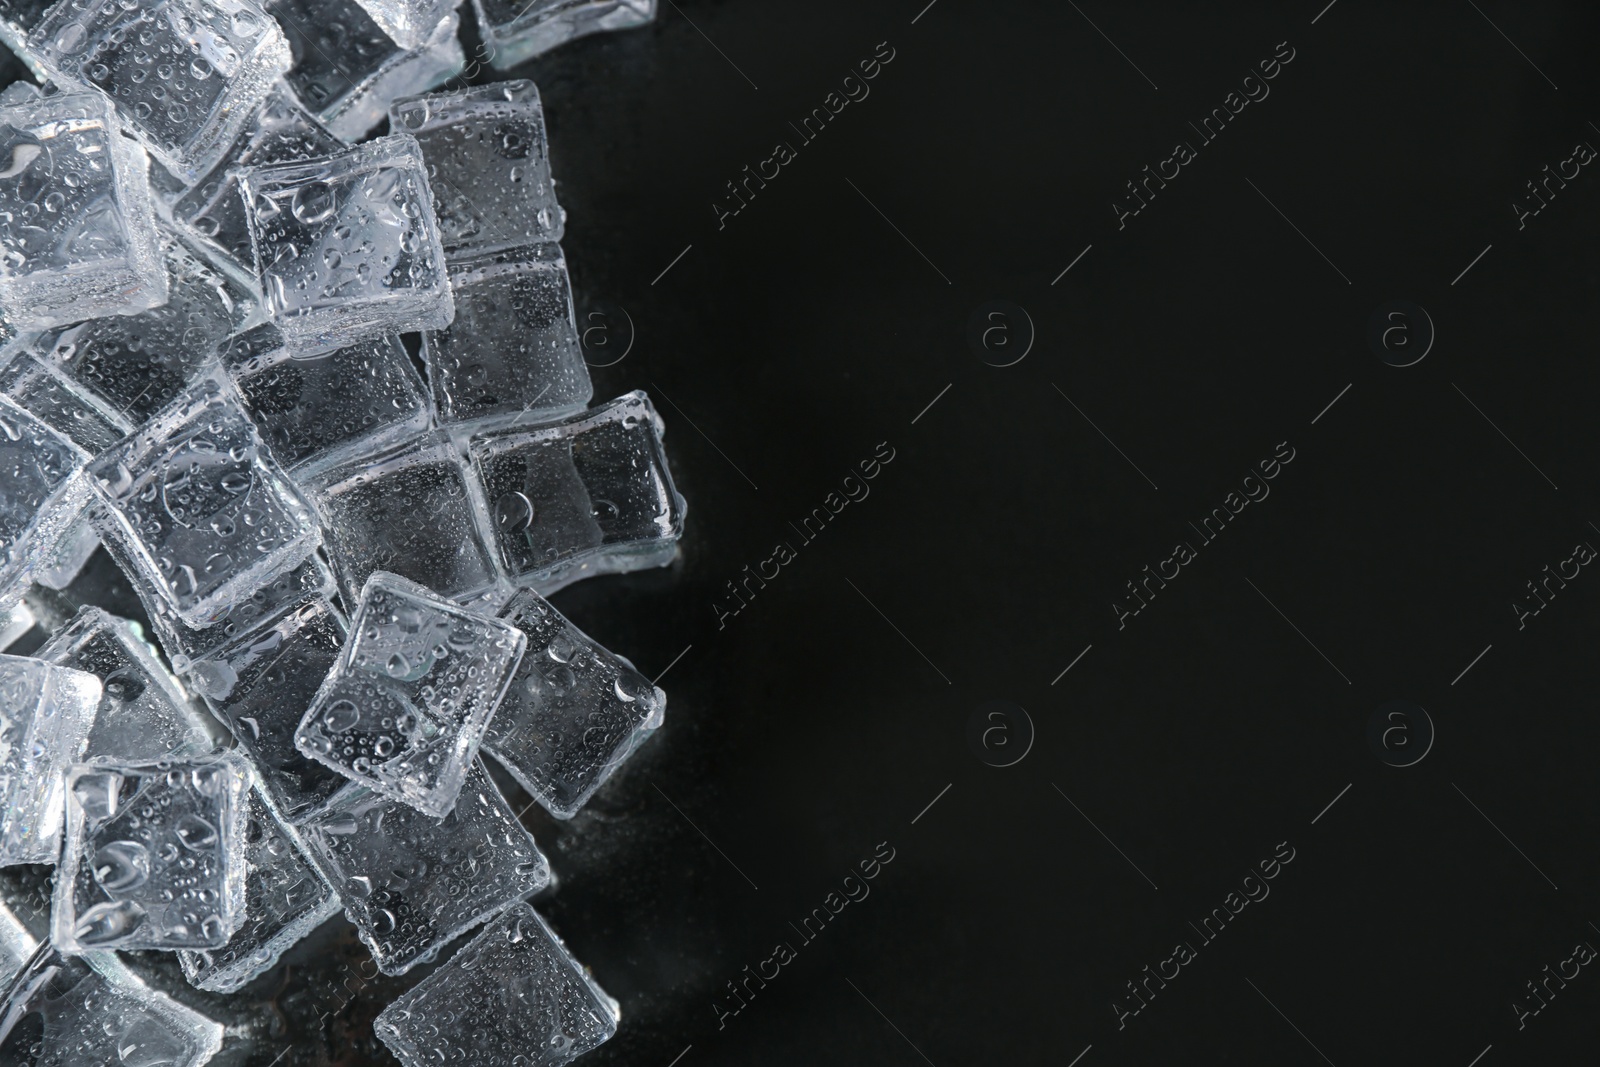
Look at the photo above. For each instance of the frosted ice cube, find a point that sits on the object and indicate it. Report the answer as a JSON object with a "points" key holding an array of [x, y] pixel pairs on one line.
{"points": [[411, 883], [591, 495], [285, 899], [41, 493], [261, 686], [144, 714], [154, 855], [409, 22], [137, 364], [201, 514], [186, 74], [347, 69], [282, 130], [403, 710], [512, 997], [371, 508], [77, 227], [314, 409], [512, 352], [347, 245], [45, 715], [488, 163], [91, 1011], [573, 713], [517, 30]]}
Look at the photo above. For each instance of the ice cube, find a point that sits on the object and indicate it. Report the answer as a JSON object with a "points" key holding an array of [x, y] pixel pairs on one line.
{"points": [[17, 20], [16, 621], [45, 715], [517, 30], [201, 514], [261, 686], [347, 69], [411, 883], [137, 364], [488, 163], [144, 714], [91, 1011], [512, 997], [372, 508], [404, 708], [73, 411], [282, 130], [285, 899], [591, 495], [347, 245], [512, 352], [154, 855], [186, 74], [573, 713], [77, 227], [409, 22], [41, 495], [313, 410]]}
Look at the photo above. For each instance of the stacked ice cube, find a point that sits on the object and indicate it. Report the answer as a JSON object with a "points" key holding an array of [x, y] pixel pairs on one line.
{"points": [[323, 404]]}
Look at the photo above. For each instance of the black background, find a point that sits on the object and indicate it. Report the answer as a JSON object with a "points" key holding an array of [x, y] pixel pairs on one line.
{"points": [[822, 719]]}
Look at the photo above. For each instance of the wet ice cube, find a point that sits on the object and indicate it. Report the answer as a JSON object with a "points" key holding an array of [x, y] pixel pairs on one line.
{"points": [[371, 508], [512, 997], [347, 245], [517, 30], [17, 20], [314, 409], [72, 410], [144, 714], [91, 1011], [404, 708], [409, 22], [282, 130], [41, 493], [488, 163], [185, 74], [573, 713], [45, 715], [347, 69], [201, 513], [591, 495], [154, 855], [285, 899], [77, 227], [412, 883], [512, 352], [261, 686]]}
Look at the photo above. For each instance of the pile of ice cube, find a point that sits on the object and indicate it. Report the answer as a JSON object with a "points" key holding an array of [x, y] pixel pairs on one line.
{"points": [[204, 285]]}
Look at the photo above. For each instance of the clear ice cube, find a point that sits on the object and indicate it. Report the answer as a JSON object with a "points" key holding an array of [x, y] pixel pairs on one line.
{"points": [[371, 507], [77, 226], [404, 708], [314, 409], [186, 74], [41, 493], [512, 352], [201, 514], [73, 411], [347, 245], [17, 20], [281, 131], [573, 713], [409, 22], [139, 363], [411, 883], [517, 30], [154, 855], [261, 686], [591, 495], [91, 1011], [45, 716], [488, 163], [512, 997], [285, 899], [144, 714]]}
